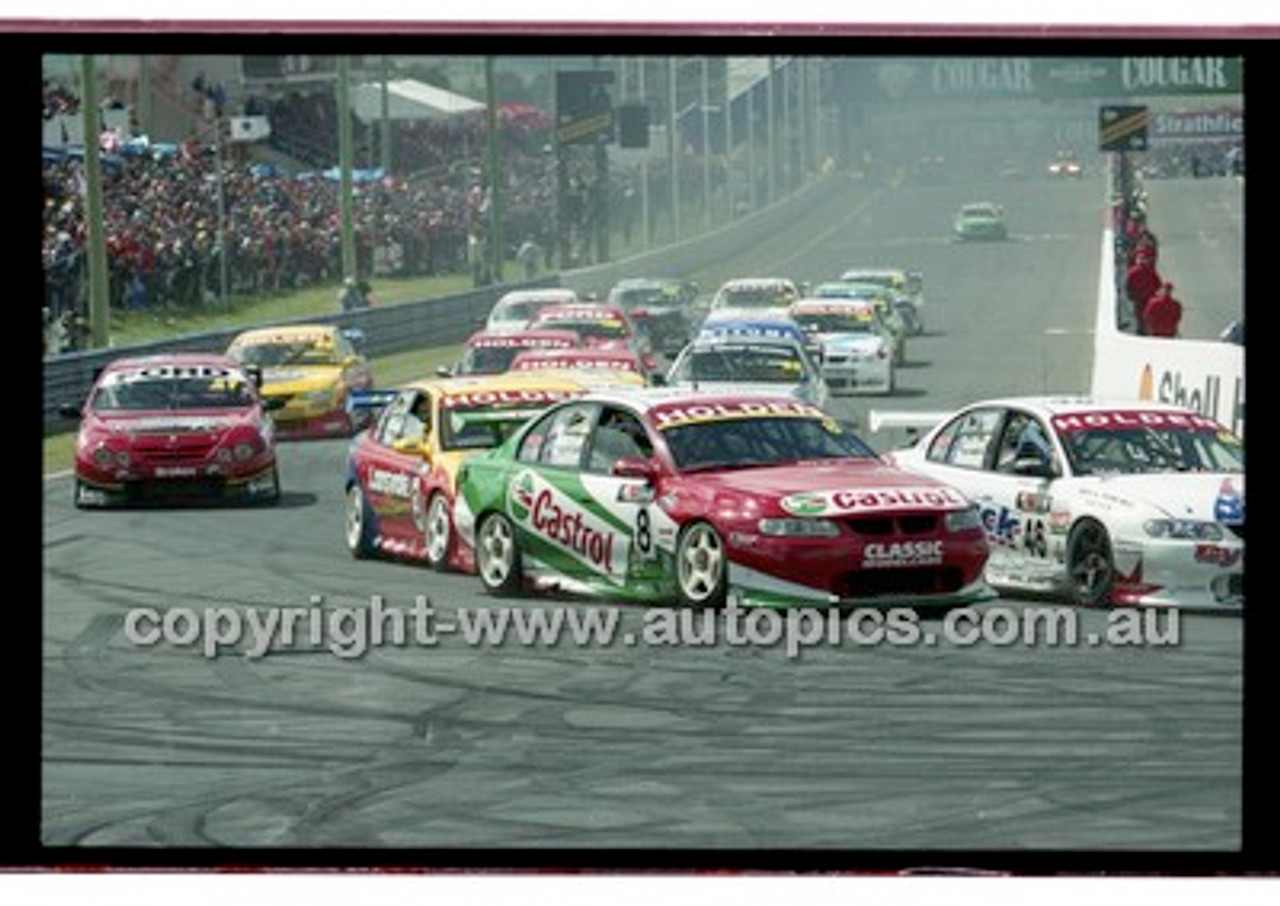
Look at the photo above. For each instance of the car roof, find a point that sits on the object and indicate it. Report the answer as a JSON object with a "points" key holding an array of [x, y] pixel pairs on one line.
{"points": [[212, 359], [524, 380], [527, 337], [644, 283], [1066, 404], [578, 352], [538, 294], [712, 339], [645, 399], [872, 272], [286, 333], [825, 303], [756, 282], [595, 309]]}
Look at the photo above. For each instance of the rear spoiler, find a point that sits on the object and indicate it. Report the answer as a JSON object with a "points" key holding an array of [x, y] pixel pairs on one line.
{"points": [[911, 424]]}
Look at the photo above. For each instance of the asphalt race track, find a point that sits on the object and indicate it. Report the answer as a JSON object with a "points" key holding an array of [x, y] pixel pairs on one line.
{"points": [[623, 747]]}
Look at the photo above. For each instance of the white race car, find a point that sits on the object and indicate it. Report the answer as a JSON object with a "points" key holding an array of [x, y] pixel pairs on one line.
{"points": [[1111, 502], [856, 352], [763, 364]]}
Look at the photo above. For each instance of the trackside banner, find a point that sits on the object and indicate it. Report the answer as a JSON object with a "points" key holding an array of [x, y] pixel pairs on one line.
{"points": [[1040, 78]]}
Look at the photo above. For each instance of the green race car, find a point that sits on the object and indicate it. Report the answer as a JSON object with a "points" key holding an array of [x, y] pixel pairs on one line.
{"points": [[980, 220]]}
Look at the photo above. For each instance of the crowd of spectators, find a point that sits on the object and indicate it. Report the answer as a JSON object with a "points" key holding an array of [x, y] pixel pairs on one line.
{"points": [[1198, 159], [59, 99], [282, 230]]}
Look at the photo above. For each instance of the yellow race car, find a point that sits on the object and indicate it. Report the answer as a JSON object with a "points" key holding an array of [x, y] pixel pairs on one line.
{"points": [[402, 473], [313, 368]]}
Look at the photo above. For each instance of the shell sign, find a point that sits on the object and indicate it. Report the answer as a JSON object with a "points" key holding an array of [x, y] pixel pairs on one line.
{"points": [[1146, 383]]}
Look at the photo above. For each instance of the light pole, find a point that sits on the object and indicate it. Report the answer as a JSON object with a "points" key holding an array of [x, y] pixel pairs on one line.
{"points": [[673, 177], [349, 261], [222, 212], [728, 142], [497, 251], [706, 151], [772, 138], [644, 166], [96, 247]]}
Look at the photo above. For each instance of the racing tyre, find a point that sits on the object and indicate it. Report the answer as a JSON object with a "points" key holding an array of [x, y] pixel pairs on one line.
{"points": [[1090, 567], [273, 497], [359, 523], [439, 532], [498, 561], [80, 496], [701, 567]]}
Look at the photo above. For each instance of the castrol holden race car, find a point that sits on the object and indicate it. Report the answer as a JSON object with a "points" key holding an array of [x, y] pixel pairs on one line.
{"points": [[174, 427], [1107, 502], [665, 496], [401, 473], [312, 368]]}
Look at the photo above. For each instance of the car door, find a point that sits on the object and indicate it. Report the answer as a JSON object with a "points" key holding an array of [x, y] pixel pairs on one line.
{"points": [[565, 506], [960, 454], [1017, 480], [394, 461]]}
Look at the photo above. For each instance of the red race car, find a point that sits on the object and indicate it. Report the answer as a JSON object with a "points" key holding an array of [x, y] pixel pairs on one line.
{"points": [[179, 426], [492, 352], [662, 496], [599, 326]]}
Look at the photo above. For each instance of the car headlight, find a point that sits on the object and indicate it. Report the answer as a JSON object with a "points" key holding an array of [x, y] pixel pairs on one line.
{"points": [[244, 450], [963, 520], [799, 528], [1187, 529], [105, 457]]}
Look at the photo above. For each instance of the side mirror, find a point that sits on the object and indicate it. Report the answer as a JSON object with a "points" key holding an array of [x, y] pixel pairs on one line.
{"points": [[69, 410], [444, 371], [410, 446], [354, 335], [272, 403], [1032, 461], [635, 467], [657, 380], [1032, 466]]}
